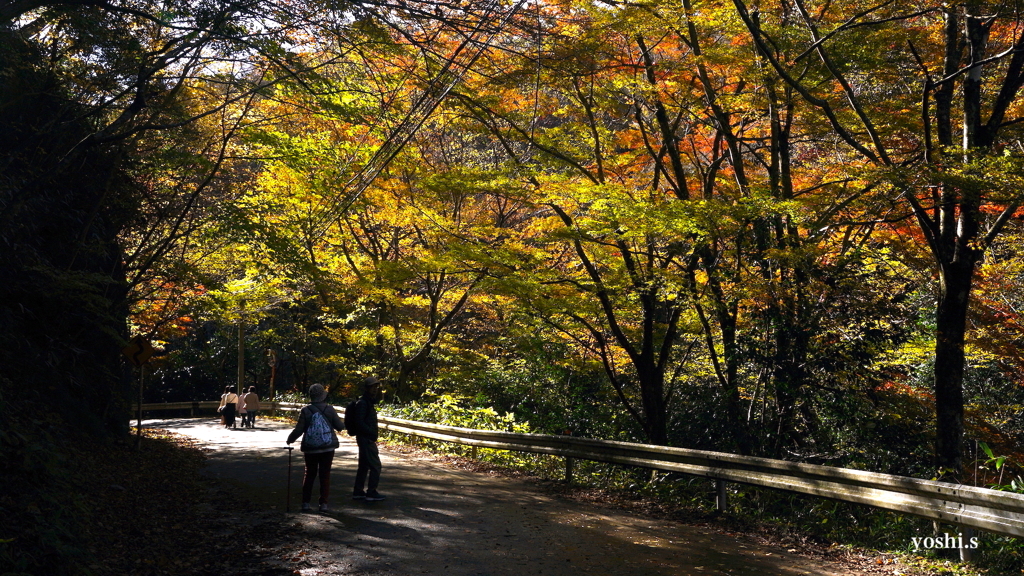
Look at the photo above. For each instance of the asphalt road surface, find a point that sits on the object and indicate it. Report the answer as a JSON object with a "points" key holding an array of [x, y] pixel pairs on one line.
{"points": [[439, 520]]}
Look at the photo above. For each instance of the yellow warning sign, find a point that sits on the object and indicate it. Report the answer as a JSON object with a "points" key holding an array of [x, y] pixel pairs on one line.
{"points": [[139, 350]]}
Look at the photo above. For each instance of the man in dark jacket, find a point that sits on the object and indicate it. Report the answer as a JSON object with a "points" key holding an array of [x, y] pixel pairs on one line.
{"points": [[364, 424]]}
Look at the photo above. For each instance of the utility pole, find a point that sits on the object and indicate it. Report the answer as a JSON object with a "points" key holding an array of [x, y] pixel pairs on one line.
{"points": [[241, 347], [272, 362]]}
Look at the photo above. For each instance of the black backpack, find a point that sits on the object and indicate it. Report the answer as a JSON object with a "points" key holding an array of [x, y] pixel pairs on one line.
{"points": [[350, 418]]}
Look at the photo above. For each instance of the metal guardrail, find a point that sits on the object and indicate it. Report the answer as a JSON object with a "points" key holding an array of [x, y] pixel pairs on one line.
{"points": [[968, 506]]}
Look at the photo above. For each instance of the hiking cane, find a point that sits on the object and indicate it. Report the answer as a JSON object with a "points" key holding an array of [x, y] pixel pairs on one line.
{"points": [[288, 494]]}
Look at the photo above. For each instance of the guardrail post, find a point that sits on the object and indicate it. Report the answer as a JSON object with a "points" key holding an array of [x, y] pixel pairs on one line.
{"points": [[473, 453], [569, 462], [192, 410], [967, 553], [720, 501]]}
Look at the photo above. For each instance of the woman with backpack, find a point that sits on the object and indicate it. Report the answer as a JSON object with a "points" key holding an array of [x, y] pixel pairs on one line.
{"points": [[317, 423]]}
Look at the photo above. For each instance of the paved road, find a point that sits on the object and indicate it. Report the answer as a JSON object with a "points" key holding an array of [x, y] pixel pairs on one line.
{"points": [[437, 520]]}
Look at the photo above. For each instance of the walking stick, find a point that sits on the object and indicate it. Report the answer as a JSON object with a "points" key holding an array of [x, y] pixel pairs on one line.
{"points": [[288, 494]]}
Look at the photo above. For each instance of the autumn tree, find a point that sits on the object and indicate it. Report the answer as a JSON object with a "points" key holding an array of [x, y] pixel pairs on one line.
{"points": [[943, 145], [680, 215]]}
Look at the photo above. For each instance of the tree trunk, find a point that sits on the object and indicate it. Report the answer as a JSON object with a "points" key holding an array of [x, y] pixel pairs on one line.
{"points": [[241, 356], [727, 311], [791, 342], [951, 326], [652, 391], [958, 252]]}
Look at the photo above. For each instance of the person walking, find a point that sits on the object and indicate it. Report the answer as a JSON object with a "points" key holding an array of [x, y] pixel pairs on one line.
{"points": [[317, 423], [241, 412], [252, 403], [363, 425], [228, 407]]}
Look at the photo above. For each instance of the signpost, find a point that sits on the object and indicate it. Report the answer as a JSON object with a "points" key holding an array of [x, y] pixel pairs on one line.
{"points": [[139, 350]]}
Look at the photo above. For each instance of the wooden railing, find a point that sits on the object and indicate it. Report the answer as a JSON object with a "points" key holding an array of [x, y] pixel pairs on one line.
{"points": [[968, 506]]}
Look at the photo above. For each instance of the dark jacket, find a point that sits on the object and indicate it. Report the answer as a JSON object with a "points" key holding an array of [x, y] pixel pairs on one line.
{"points": [[364, 418], [306, 417]]}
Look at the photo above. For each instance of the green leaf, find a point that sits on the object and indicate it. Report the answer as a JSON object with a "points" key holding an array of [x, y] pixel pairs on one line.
{"points": [[988, 451]]}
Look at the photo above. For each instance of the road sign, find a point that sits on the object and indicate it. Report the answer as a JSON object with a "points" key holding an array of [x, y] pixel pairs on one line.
{"points": [[139, 350]]}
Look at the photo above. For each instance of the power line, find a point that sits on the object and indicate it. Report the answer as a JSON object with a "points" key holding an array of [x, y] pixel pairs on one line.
{"points": [[432, 96]]}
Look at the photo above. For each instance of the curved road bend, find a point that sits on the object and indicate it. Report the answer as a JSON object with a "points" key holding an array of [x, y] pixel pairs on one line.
{"points": [[437, 520]]}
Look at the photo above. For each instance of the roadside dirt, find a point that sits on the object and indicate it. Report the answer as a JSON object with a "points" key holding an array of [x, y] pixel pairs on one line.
{"points": [[441, 520]]}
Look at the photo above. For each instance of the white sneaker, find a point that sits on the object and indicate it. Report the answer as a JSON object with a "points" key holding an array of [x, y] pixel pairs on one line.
{"points": [[306, 507], [324, 508]]}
